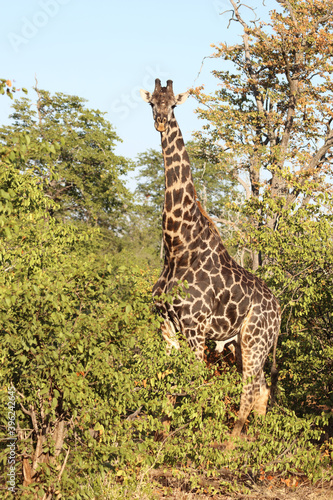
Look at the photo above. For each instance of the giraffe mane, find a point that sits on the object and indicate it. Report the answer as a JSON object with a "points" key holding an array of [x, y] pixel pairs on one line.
{"points": [[204, 213]]}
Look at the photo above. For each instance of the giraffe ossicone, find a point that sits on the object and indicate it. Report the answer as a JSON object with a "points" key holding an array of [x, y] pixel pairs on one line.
{"points": [[223, 302]]}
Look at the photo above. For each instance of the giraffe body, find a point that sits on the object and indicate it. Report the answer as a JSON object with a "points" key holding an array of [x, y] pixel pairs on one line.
{"points": [[224, 302]]}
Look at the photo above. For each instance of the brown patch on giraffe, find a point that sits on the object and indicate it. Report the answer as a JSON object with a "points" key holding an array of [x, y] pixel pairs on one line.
{"points": [[168, 201], [187, 201], [168, 161], [177, 243], [231, 312], [179, 143], [169, 178], [186, 157], [186, 228], [185, 173], [208, 264], [173, 225], [243, 305], [189, 189], [187, 216], [172, 137], [183, 261], [178, 196], [195, 292], [197, 306], [236, 293], [170, 150]]}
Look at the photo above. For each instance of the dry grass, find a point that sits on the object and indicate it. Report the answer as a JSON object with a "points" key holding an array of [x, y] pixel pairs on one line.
{"points": [[170, 488], [258, 493]]}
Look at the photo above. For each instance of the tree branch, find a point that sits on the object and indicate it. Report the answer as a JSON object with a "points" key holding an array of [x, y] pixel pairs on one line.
{"points": [[248, 63]]}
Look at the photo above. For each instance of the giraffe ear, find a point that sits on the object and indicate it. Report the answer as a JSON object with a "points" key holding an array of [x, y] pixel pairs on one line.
{"points": [[180, 98], [146, 96]]}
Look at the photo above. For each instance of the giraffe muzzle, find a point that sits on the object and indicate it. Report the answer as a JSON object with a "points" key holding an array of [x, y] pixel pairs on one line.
{"points": [[160, 124]]}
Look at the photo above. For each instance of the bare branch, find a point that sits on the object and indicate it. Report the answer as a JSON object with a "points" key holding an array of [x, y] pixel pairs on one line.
{"points": [[237, 14], [248, 63], [32, 415], [202, 63], [244, 184], [135, 414], [27, 412], [320, 155], [64, 464], [286, 4]]}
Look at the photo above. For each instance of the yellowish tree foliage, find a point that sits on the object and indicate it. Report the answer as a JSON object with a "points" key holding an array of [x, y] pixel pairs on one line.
{"points": [[6, 87], [270, 122]]}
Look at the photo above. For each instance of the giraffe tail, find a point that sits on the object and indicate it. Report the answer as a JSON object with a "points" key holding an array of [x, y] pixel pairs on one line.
{"points": [[274, 374]]}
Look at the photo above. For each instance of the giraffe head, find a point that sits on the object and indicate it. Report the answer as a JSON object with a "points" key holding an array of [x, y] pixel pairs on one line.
{"points": [[162, 101]]}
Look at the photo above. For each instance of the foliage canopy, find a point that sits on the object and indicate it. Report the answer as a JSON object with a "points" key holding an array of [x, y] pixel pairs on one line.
{"points": [[83, 176], [100, 409]]}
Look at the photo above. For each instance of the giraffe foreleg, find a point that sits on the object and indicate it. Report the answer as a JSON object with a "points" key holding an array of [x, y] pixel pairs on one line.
{"points": [[195, 336], [170, 336]]}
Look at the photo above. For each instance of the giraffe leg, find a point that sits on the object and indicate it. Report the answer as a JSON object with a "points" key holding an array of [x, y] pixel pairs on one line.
{"points": [[254, 351], [260, 403], [169, 335], [196, 341], [246, 405], [238, 356], [254, 396]]}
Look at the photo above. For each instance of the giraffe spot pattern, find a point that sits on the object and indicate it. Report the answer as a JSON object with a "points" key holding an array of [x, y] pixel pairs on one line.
{"points": [[177, 196], [223, 300]]}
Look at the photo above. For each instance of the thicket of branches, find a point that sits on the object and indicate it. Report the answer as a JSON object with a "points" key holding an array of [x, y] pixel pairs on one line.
{"points": [[81, 346]]}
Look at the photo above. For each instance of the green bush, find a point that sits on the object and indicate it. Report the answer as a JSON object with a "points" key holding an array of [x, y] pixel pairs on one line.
{"points": [[100, 409]]}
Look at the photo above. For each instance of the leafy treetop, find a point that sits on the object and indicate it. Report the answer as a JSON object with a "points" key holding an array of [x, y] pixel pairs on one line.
{"points": [[270, 122], [83, 174]]}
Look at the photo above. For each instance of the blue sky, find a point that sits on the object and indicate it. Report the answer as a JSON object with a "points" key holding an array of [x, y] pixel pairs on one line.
{"points": [[105, 51]]}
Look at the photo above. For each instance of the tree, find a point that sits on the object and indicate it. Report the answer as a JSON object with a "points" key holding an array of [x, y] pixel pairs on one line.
{"points": [[83, 176], [269, 126], [299, 267], [270, 123], [64, 318], [85, 377]]}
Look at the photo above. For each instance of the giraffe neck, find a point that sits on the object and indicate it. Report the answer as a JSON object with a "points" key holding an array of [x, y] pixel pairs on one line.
{"points": [[181, 211]]}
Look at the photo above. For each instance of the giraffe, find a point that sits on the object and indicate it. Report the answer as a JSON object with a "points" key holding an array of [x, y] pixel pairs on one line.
{"points": [[224, 302]]}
